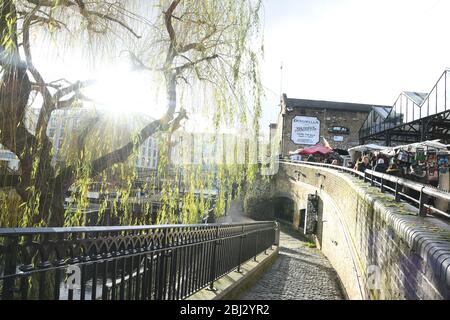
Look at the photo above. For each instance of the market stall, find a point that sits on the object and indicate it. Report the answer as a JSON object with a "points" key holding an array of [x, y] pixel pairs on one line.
{"points": [[359, 151], [426, 162], [421, 161]]}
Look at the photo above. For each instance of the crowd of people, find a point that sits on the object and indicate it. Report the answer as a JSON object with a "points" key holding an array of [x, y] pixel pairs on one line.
{"points": [[377, 161], [416, 165], [411, 168], [393, 166]]}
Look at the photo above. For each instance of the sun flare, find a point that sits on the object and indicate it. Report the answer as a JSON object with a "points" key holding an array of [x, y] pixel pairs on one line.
{"points": [[119, 89]]}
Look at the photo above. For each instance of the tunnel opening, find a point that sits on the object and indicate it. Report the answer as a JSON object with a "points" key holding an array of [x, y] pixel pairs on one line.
{"points": [[284, 209]]}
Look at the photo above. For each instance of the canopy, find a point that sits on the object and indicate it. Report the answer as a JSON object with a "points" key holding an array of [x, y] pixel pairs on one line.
{"points": [[317, 149], [433, 144], [365, 147]]}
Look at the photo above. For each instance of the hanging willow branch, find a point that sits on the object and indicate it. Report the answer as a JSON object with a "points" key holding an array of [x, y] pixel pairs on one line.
{"points": [[188, 42]]}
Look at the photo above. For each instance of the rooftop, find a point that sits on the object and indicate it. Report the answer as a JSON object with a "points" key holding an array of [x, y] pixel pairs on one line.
{"points": [[417, 97], [383, 112], [322, 104]]}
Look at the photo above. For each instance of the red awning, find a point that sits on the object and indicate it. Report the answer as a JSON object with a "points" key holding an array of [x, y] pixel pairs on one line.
{"points": [[317, 149]]}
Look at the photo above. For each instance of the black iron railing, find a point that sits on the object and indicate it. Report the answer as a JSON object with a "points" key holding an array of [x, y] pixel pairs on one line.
{"points": [[158, 262], [420, 195]]}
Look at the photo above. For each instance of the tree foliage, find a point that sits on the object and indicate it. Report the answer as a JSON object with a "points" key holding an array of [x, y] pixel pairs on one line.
{"points": [[198, 48]]}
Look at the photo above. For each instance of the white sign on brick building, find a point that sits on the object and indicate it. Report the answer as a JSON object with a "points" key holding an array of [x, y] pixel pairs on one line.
{"points": [[305, 130]]}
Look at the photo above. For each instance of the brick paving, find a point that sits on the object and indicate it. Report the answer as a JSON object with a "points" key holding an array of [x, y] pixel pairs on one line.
{"points": [[300, 273]]}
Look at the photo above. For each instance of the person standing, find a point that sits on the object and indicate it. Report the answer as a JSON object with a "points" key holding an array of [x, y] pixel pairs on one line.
{"points": [[364, 165], [380, 166]]}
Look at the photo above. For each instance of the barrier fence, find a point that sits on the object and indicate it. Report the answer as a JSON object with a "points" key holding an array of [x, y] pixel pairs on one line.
{"points": [[158, 262]]}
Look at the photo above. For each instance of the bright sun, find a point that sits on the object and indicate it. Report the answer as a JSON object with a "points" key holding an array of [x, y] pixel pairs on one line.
{"points": [[120, 90]]}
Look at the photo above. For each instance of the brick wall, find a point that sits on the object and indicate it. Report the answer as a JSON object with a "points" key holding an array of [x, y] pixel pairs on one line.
{"points": [[328, 118], [378, 248]]}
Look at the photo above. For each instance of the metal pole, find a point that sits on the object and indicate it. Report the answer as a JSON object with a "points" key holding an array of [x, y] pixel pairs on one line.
{"points": [[241, 243], [445, 90], [162, 268], [256, 246], [422, 208], [10, 267], [397, 189], [212, 273], [436, 101]]}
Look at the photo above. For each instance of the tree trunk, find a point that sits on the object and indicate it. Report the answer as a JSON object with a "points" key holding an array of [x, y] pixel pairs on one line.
{"points": [[14, 96], [54, 210], [171, 93]]}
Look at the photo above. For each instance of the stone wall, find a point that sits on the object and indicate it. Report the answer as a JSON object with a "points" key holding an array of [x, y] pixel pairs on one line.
{"points": [[258, 202], [380, 248]]}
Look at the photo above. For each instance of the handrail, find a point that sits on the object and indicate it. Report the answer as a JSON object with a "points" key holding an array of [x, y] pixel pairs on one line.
{"points": [[59, 230], [434, 87], [340, 168], [382, 125], [379, 179]]}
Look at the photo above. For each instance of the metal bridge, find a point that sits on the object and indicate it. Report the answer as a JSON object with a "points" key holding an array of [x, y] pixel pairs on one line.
{"points": [[414, 117]]}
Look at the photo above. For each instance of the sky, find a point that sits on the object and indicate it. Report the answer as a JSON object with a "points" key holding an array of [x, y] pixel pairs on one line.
{"points": [[364, 51]]}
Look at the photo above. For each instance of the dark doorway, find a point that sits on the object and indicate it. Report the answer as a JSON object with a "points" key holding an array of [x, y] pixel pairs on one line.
{"points": [[284, 209], [319, 230], [301, 226]]}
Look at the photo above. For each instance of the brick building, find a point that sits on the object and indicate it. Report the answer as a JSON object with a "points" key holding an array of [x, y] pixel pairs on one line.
{"points": [[303, 123]]}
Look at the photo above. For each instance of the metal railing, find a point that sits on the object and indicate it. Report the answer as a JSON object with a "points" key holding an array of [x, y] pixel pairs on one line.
{"points": [[395, 117], [160, 262], [401, 188], [405, 110]]}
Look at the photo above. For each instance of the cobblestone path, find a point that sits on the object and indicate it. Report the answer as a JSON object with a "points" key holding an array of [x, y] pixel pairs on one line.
{"points": [[300, 273]]}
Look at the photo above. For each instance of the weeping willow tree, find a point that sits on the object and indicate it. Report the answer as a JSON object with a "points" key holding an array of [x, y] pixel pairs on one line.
{"points": [[206, 48], [192, 45]]}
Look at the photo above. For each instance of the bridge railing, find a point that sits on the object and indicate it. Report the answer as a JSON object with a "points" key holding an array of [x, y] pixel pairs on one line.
{"points": [[158, 262], [420, 195], [405, 110]]}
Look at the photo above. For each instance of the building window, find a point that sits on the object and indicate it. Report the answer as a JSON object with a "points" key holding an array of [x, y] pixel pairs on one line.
{"points": [[341, 130]]}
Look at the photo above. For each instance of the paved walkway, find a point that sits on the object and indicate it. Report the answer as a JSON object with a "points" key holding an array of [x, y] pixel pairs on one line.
{"points": [[300, 272]]}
